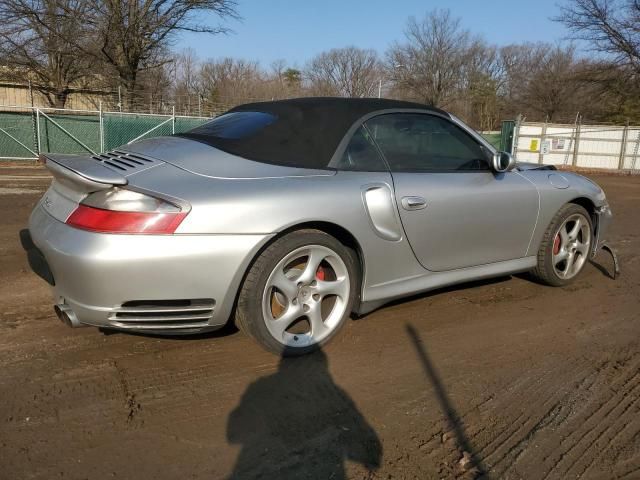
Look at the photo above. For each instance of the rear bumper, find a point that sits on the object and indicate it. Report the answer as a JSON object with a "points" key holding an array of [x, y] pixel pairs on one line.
{"points": [[95, 274], [36, 259]]}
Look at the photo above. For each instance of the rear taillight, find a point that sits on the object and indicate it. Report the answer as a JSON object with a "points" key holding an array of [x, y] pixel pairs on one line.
{"points": [[119, 210]]}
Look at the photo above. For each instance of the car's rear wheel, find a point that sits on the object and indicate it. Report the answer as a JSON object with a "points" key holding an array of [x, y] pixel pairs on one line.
{"points": [[298, 293], [565, 247]]}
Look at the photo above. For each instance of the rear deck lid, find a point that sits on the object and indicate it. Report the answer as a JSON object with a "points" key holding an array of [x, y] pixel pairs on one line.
{"points": [[206, 160]]}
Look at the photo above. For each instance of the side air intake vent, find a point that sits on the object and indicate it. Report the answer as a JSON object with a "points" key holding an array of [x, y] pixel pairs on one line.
{"points": [[124, 161], [172, 315]]}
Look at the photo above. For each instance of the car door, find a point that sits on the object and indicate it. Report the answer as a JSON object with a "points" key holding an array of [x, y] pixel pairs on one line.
{"points": [[456, 211]]}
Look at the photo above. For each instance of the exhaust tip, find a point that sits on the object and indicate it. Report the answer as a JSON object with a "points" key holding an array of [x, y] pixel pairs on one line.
{"points": [[66, 316]]}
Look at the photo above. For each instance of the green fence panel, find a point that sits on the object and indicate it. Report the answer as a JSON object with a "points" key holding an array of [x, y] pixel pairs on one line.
{"points": [[186, 124], [80, 130], [121, 129], [20, 126], [79, 133], [506, 135], [493, 139]]}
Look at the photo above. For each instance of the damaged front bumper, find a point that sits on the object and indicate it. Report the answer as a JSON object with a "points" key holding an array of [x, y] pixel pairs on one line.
{"points": [[603, 217]]}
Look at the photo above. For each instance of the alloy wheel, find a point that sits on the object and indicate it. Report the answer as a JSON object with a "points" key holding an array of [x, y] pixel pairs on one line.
{"points": [[306, 296], [571, 246]]}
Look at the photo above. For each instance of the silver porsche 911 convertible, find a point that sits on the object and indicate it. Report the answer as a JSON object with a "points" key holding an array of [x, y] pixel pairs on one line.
{"points": [[286, 217]]}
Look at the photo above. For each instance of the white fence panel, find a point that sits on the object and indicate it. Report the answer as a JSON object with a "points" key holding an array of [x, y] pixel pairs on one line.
{"points": [[631, 160], [527, 142], [590, 146]]}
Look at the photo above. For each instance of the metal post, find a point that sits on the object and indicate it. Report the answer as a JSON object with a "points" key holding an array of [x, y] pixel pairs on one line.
{"points": [[33, 121], [576, 145], [173, 120], [516, 135], [39, 149], [199, 104], [574, 131], [380, 88], [120, 98], [544, 133], [101, 126], [623, 146], [635, 151]]}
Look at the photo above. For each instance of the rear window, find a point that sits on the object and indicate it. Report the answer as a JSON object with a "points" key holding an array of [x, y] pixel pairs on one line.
{"points": [[235, 126]]}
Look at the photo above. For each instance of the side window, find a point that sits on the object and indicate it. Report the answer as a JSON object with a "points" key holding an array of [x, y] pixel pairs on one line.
{"points": [[361, 154], [422, 142]]}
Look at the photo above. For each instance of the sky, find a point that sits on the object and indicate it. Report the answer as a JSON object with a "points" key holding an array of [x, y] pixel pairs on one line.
{"points": [[297, 30]]}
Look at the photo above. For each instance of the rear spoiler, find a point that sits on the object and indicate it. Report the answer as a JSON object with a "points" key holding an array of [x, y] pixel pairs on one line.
{"points": [[83, 170]]}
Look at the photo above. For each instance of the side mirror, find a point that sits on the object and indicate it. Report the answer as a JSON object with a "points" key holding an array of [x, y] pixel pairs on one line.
{"points": [[503, 162]]}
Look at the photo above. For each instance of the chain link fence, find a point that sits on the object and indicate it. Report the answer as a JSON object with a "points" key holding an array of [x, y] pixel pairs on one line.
{"points": [[25, 132], [140, 101]]}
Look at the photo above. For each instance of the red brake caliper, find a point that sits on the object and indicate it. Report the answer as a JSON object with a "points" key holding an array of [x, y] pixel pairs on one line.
{"points": [[320, 273], [556, 244]]}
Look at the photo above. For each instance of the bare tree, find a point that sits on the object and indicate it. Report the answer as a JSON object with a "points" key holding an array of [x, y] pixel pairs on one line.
{"points": [[482, 81], [129, 33], [35, 44], [611, 27], [187, 87], [346, 72], [228, 82], [541, 80], [552, 86], [429, 65]]}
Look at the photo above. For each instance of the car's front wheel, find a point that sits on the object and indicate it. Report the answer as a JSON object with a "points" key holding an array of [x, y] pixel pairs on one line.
{"points": [[298, 293], [565, 247]]}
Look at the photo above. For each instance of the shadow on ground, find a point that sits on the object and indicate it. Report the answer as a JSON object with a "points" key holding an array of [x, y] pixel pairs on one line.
{"points": [[297, 423], [470, 461]]}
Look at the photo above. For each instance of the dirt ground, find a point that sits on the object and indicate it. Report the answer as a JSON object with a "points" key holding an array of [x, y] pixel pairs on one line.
{"points": [[499, 379]]}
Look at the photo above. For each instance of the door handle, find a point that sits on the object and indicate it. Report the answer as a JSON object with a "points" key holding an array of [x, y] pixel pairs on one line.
{"points": [[413, 203]]}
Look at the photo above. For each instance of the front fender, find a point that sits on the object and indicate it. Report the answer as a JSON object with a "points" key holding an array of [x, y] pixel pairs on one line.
{"points": [[559, 188]]}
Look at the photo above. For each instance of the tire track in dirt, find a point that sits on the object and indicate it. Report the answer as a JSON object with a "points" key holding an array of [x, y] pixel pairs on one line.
{"points": [[517, 429], [593, 422], [557, 415], [537, 419], [509, 444], [439, 442], [631, 399], [633, 427]]}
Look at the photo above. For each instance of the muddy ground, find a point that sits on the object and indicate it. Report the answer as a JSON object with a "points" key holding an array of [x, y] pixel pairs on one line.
{"points": [[530, 381]]}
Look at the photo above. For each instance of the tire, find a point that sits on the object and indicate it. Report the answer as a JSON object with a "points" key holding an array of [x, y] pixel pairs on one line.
{"points": [[290, 306], [563, 255]]}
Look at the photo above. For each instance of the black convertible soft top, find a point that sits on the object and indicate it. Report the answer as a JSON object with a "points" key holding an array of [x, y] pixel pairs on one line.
{"points": [[301, 132]]}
